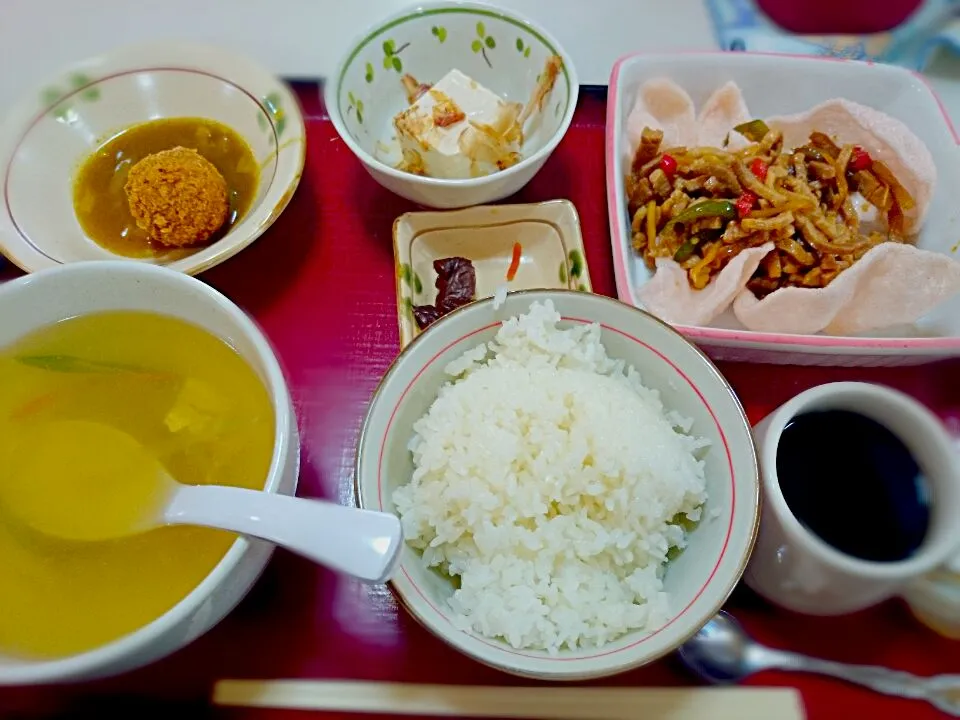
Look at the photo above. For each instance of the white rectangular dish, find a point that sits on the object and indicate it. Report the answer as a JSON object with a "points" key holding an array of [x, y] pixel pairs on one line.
{"points": [[777, 85]]}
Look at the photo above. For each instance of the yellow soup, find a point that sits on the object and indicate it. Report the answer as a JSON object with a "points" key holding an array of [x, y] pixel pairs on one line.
{"points": [[190, 401]]}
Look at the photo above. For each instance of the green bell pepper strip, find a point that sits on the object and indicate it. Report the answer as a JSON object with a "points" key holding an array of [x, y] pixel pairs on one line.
{"points": [[753, 130]]}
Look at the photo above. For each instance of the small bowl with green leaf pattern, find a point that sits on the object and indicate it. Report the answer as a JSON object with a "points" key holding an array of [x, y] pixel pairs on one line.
{"points": [[499, 49], [46, 138]]}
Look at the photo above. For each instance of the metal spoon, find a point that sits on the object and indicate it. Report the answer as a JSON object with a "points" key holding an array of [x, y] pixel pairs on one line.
{"points": [[723, 653]]}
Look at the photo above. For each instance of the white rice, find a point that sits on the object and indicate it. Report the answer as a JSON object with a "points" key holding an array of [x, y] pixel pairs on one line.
{"points": [[549, 480]]}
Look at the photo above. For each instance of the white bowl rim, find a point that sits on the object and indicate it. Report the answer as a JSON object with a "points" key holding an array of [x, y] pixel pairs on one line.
{"points": [[66, 668], [168, 56], [331, 88], [752, 503]]}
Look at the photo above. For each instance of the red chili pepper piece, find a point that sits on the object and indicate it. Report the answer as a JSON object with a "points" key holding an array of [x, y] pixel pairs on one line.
{"points": [[759, 168], [745, 203], [860, 159], [669, 165], [514, 262]]}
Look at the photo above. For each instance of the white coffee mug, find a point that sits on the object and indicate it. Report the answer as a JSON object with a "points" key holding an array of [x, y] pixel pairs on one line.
{"points": [[794, 568]]}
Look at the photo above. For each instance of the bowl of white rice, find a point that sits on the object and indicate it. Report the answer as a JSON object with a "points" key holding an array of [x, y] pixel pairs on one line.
{"points": [[577, 483]]}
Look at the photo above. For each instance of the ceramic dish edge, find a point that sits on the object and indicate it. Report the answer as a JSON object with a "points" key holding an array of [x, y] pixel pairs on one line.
{"points": [[744, 345]]}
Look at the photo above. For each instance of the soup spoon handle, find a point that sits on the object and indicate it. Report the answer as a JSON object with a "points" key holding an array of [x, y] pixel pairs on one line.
{"points": [[362, 543]]}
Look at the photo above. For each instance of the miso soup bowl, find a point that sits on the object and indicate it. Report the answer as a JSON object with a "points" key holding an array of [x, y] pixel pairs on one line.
{"points": [[36, 300]]}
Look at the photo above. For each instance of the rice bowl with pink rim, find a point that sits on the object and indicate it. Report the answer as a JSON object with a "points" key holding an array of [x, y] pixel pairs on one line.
{"points": [[578, 484]]}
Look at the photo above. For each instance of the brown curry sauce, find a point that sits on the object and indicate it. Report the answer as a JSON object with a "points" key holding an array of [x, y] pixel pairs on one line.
{"points": [[99, 199]]}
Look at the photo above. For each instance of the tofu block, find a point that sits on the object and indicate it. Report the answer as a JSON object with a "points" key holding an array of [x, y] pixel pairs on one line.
{"points": [[459, 129]]}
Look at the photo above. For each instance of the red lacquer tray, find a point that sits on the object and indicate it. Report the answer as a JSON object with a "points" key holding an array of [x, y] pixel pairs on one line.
{"points": [[321, 285]]}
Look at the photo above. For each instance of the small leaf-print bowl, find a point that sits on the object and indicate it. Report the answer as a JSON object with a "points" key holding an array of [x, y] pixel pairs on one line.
{"points": [[51, 132], [550, 253], [497, 48]]}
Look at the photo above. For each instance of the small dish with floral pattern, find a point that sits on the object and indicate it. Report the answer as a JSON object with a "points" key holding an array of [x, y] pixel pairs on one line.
{"points": [[514, 247], [502, 57]]}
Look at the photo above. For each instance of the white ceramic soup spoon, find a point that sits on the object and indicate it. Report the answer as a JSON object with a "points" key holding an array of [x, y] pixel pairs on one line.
{"points": [[87, 481]]}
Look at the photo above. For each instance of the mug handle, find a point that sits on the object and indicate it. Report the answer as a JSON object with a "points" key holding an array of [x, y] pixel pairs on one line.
{"points": [[934, 598]]}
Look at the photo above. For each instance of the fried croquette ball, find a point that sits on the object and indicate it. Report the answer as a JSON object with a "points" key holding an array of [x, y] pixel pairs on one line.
{"points": [[177, 197]]}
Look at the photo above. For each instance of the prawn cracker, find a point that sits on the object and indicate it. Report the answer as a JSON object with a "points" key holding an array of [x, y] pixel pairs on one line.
{"points": [[723, 110], [663, 105], [886, 138], [889, 285], [668, 294]]}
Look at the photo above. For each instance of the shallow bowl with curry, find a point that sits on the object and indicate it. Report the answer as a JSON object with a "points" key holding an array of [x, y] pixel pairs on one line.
{"points": [[171, 154]]}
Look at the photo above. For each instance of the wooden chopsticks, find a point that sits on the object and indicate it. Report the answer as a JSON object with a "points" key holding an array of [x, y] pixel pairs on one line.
{"points": [[551, 703]]}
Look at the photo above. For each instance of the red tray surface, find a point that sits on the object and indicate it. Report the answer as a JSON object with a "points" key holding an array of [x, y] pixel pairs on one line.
{"points": [[321, 285]]}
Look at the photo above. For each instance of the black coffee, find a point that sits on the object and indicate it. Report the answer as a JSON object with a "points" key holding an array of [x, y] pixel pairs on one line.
{"points": [[852, 482]]}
